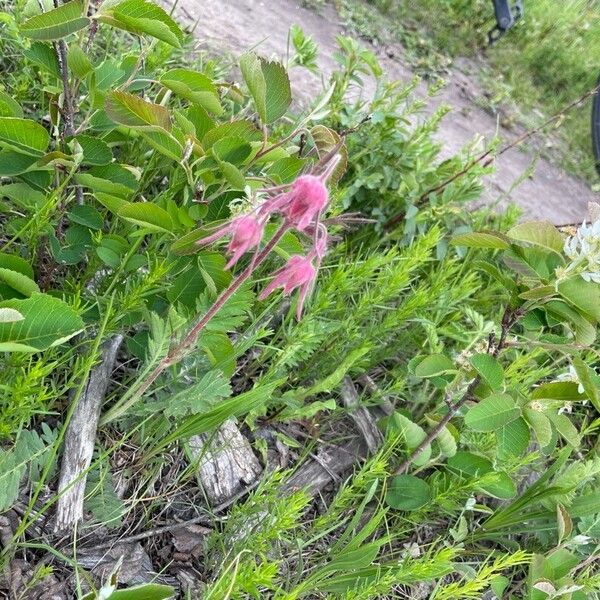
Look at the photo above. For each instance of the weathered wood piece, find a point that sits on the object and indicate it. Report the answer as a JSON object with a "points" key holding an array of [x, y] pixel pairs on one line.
{"points": [[80, 438]]}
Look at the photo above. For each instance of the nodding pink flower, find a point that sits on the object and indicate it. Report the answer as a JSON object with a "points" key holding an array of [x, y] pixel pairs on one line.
{"points": [[307, 198], [246, 233], [298, 272]]}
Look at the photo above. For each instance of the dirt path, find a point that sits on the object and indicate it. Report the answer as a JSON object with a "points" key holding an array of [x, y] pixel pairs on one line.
{"points": [[232, 26]]}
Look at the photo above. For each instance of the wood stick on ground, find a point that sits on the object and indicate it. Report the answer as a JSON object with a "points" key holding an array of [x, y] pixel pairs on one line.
{"points": [[80, 438], [362, 417], [226, 462]]}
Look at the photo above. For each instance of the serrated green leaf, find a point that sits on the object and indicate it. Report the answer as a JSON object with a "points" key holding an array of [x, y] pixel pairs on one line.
{"points": [[539, 233], [86, 215], [269, 86], [193, 86], [279, 94], [44, 56], [131, 110], [492, 412], [142, 17], [23, 135], [56, 23]]}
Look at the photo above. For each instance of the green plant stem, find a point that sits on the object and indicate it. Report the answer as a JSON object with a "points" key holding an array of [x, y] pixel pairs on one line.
{"points": [[179, 350]]}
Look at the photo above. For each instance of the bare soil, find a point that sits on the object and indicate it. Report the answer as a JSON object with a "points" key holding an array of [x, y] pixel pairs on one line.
{"points": [[233, 26]]}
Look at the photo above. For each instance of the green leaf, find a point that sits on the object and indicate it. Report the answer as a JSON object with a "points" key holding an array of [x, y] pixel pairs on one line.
{"points": [[104, 188], [564, 391], [412, 434], [145, 591], [433, 365], [269, 86], [565, 428], [86, 215], [132, 111], [78, 61], [499, 485], [540, 424], [193, 86], [407, 492], [48, 322], [538, 233], [95, 150], [326, 140], [18, 282], [469, 464], [255, 80], [586, 377], [492, 412], [44, 56], [23, 135], [584, 331], [16, 263], [582, 294], [513, 439], [57, 23], [489, 369], [14, 163], [199, 397], [147, 215], [9, 107], [139, 16], [482, 239], [279, 94]]}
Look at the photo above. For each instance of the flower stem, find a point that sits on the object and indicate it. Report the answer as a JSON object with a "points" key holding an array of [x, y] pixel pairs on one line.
{"points": [[178, 351]]}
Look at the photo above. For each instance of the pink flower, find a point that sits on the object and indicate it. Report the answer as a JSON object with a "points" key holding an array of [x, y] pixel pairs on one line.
{"points": [[298, 272], [246, 233], [307, 198]]}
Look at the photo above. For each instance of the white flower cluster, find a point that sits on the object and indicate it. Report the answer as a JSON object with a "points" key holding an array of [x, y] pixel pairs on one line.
{"points": [[583, 249]]}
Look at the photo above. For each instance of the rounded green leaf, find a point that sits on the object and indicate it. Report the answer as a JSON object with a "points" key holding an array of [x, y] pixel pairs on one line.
{"points": [[492, 412], [489, 369], [95, 150], [407, 492], [149, 216], [48, 322], [513, 439], [433, 365], [18, 282]]}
